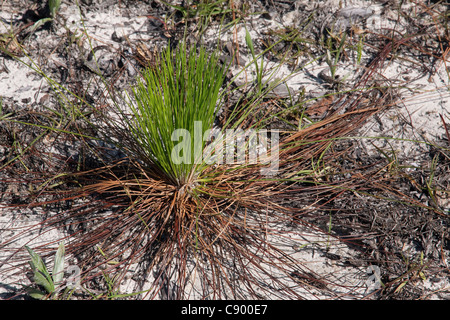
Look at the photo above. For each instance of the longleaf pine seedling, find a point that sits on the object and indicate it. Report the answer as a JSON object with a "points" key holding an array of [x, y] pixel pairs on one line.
{"points": [[182, 91], [198, 225]]}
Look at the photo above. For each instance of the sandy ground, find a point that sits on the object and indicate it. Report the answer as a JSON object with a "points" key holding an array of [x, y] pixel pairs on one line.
{"points": [[403, 128]]}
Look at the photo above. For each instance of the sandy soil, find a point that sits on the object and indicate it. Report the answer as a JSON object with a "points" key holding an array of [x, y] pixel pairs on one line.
{"points": [[122, 35]]}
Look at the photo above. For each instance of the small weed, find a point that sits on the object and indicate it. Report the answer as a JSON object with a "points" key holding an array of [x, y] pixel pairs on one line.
{"points": [[53, 6], [48, 285], [333, 62], [415, 271], [204, 11], [259, 68]]}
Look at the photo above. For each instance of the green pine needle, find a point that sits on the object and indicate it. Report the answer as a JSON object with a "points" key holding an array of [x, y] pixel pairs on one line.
{"points": [[175, 103]]}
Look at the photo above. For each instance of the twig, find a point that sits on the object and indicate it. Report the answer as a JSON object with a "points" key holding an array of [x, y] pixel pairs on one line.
{"points": [[445, 127]]}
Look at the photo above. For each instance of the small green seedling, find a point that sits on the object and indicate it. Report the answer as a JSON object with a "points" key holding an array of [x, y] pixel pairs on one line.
{"points": [[4, 116], [49, 283], [53, 6], [332, 63], [259, 69]]}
